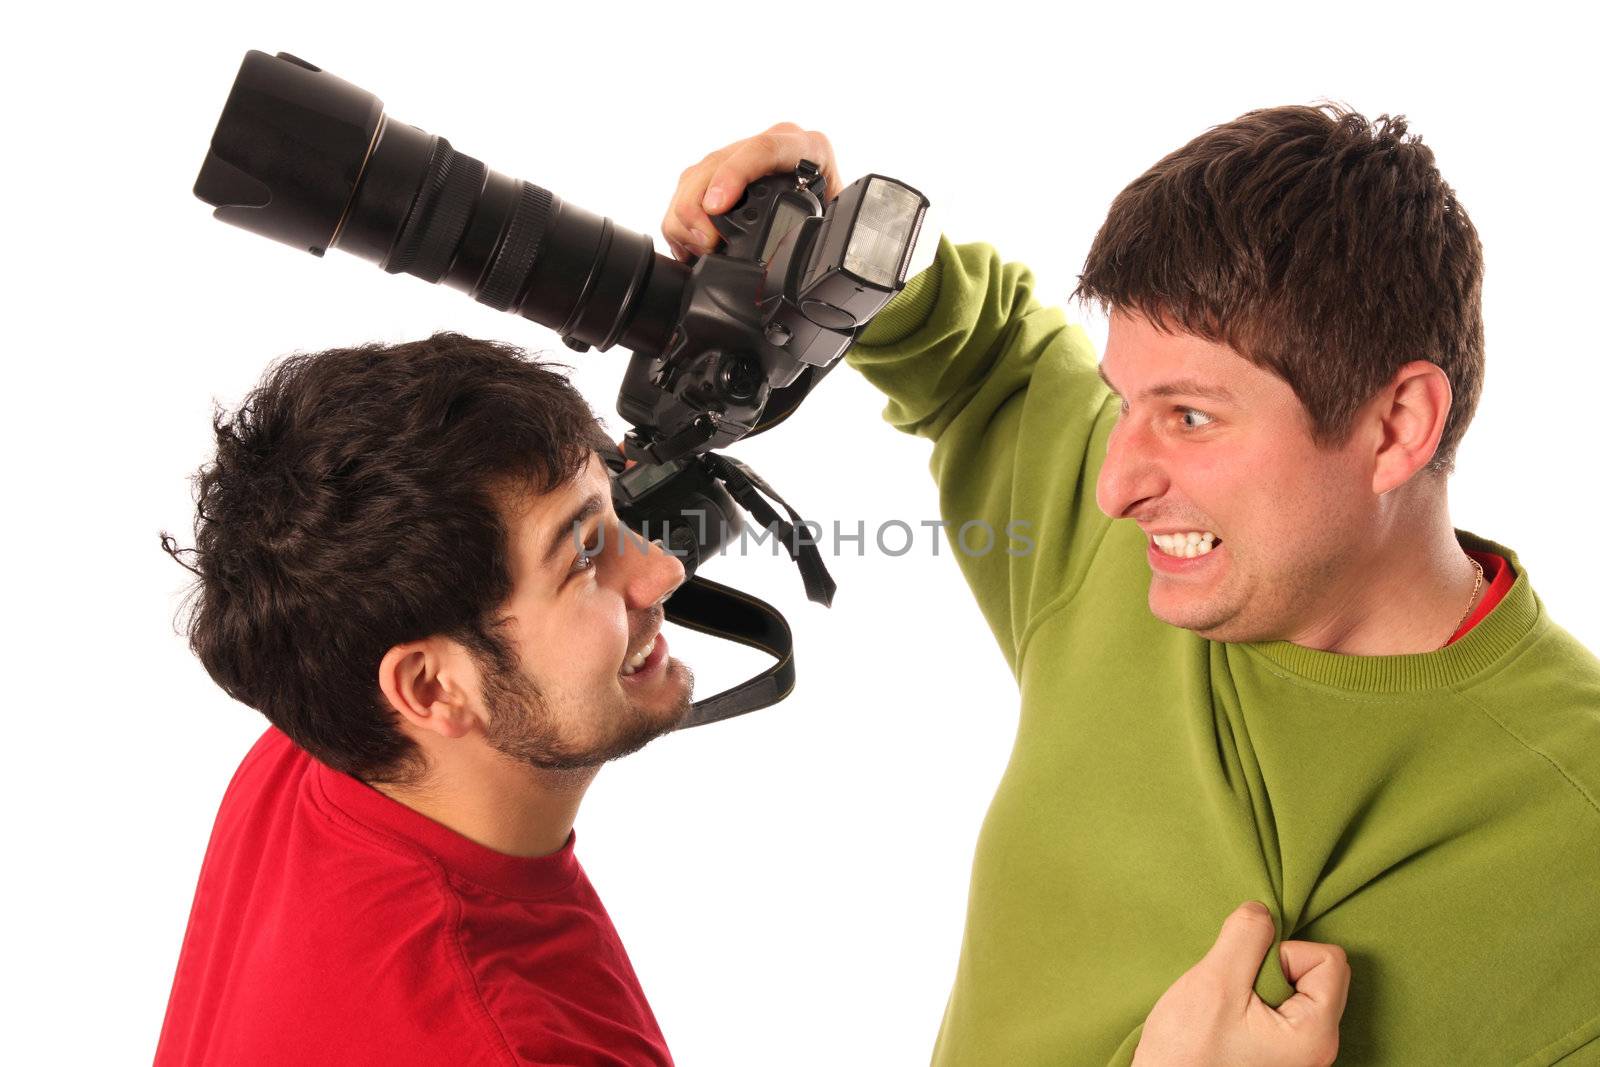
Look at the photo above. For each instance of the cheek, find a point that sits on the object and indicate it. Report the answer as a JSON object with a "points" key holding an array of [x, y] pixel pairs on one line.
{"points": [[1218, 486], [598, 635], [579, 637], [1308, 506], [1257, 495]]}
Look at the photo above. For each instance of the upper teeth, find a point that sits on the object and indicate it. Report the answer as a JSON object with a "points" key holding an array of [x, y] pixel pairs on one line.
{"points": [[635, 661], [1188, 545]]}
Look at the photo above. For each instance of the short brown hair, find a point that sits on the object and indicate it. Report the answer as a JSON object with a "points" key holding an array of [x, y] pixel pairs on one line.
{"points": [[355, 502], [1318, 245]]}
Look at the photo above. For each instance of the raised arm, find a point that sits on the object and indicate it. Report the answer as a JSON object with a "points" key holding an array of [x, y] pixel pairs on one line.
{"points": [[1004, 387], [1009, 394]]}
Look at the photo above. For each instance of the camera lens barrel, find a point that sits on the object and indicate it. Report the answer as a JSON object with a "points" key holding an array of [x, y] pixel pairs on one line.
{"points": [[310, 160]]}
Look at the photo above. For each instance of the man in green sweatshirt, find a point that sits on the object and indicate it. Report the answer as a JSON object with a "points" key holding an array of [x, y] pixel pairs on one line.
{"points": [[1256, 659]]}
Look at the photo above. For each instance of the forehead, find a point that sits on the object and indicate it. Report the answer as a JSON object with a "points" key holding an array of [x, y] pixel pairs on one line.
{"points": [[1135, 340], [1141, 356]]}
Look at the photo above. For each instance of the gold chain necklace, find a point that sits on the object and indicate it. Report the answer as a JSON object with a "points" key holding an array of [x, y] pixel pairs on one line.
{"points": [[1477, 585]]}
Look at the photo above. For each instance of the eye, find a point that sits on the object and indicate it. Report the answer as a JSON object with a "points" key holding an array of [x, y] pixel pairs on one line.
{"points": [[586, 556], [1191, 411]]}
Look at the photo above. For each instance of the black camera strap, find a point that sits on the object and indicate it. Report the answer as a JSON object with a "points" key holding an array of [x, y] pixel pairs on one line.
{"points": [[747, 487], [722, 611]]}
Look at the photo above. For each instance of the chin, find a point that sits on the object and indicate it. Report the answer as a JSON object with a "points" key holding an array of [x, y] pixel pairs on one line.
{"points": [[681, 681], [1202, 618], [667, 702], [666, 711]]}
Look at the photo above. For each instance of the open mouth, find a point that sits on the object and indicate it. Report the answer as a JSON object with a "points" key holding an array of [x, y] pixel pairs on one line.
{"points": [[646, 661], [1186, 545]]}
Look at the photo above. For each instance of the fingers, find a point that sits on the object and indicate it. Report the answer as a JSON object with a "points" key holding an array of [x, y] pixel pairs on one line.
{"points": [[1320, 975], [715, 183], [780, 148], [1236, 956], [687, 227]]}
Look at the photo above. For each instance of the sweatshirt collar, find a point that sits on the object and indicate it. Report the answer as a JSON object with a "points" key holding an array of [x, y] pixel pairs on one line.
{"points": [[1519, 613]]}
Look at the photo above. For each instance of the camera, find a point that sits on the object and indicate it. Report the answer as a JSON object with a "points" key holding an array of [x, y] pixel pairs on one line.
{"points": [[722, 350]]}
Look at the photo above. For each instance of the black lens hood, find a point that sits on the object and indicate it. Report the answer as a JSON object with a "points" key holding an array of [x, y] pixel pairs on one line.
{"points": [[288, 150]]}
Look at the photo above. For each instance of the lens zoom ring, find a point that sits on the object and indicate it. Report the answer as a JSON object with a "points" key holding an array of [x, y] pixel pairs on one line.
{"points": [[428, 243], [519, 250], [442, 233], [433, 179]]}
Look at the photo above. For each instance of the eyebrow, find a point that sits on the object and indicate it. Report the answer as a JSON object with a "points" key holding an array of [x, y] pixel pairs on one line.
{"points": [[1181, 387], [590, 507]]}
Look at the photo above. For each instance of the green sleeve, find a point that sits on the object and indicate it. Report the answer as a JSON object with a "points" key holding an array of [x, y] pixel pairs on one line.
{"points": [[1009, 394]]}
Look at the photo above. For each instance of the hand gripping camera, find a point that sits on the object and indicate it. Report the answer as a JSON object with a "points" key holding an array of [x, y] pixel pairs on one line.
{"points": [[721, 351]]}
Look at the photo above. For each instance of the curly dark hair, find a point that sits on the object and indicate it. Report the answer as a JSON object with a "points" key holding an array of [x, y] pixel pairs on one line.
{"points": [[1318, 245], [356, 502]]}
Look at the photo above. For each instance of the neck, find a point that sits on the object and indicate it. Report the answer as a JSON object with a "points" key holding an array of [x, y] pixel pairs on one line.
{"points": [[1406, 593], [497, 802]]}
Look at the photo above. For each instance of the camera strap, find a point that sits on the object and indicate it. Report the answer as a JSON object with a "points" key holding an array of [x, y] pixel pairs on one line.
{"points": [[747, 487], [722, 611]]}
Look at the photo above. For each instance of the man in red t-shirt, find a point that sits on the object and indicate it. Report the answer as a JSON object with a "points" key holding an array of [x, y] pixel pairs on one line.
{"points": [[402, 562]]}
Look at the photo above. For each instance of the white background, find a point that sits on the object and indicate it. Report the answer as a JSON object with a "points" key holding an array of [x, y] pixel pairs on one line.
{"points": [[791, 886]]}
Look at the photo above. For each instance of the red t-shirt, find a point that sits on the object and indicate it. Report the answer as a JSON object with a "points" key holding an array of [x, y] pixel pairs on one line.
{"points": [[333, 925]]}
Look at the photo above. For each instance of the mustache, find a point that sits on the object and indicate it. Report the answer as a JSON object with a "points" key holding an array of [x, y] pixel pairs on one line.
{"points": [[654, 618]]}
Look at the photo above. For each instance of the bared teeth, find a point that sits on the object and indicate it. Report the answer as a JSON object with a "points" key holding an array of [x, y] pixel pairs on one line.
{"points": [[1185, 545], [635, 661]]}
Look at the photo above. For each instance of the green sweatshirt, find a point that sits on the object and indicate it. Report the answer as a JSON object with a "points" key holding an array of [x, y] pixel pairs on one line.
{"points": [[1435, 815]]}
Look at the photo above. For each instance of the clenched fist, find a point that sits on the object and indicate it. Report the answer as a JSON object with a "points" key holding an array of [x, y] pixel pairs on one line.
{"points": [[1211, 1016]]}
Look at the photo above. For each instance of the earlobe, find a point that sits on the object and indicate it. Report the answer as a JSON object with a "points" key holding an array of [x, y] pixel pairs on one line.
{"points": [[419, 681], [1413, 410]]}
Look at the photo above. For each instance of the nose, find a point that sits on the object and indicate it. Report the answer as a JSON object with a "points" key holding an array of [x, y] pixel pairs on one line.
{"points": [[1132, 473], [651, 575]]}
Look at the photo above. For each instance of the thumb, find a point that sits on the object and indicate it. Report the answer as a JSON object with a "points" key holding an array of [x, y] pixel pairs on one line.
{"points": [[1320, 975], [1246, 935]]}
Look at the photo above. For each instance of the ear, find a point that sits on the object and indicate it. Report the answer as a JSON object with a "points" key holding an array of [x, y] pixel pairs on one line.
{"points": [[430, 683], [1411, 412]]}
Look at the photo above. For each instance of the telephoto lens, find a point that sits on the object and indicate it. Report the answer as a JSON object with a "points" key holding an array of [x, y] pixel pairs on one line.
{"points": [[310, 160]]}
